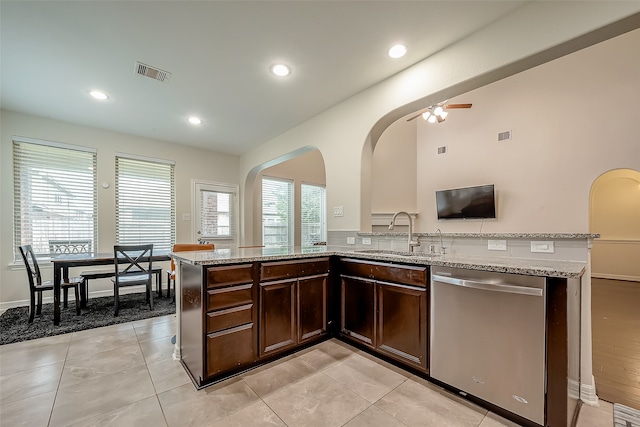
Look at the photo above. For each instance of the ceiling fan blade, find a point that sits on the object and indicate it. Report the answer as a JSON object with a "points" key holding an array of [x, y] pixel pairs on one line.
{"points": [[451, 106], [414, 117]]}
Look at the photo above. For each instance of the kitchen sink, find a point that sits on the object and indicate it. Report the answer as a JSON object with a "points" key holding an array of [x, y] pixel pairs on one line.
{"points": [[396, 253]]}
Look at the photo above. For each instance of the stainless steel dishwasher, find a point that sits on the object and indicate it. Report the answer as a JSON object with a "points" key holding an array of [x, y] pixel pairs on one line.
{"points": [[488, 337]]}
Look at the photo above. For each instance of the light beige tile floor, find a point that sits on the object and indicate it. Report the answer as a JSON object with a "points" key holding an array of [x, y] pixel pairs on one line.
{"points": [[124, 375]]}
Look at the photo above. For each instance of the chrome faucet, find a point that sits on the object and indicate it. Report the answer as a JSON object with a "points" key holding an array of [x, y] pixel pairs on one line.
{"points": [[411, 243], [442, 248]]}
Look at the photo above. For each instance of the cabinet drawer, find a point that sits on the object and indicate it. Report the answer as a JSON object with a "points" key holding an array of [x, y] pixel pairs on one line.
{"points": [[228, 297], [229, 275], [230, 317], [415, 275], [406, 274], [229, 349], [293, 269]]}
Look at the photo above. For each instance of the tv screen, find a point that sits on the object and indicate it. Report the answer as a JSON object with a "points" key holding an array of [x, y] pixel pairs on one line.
{"points": [[466, 203]]}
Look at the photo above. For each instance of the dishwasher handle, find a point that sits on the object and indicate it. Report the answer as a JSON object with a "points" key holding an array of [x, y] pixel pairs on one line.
{"points": [[488, 286]]}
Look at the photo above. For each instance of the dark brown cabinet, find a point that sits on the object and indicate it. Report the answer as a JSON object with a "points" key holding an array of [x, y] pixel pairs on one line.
{"points": [[219, 320], [277, 316], [293, 303], [384, 306], [358, 309], [402, 323]]}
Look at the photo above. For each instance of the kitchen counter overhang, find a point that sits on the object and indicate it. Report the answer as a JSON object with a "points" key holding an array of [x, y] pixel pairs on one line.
{"points": [[525, 266]]}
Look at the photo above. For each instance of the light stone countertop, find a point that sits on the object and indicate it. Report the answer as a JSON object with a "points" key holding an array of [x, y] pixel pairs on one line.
{"points": [[548, 236], [530, 267]]}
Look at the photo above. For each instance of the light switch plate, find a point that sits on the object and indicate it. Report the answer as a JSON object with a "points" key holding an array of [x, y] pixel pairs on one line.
{"points": [[351, 240], [338, 211], [366, 240], [497, 245], [542, 247]]}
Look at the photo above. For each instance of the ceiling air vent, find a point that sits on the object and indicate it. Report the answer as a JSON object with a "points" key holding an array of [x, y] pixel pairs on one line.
{"points": [[504, 136], [152, 72]]}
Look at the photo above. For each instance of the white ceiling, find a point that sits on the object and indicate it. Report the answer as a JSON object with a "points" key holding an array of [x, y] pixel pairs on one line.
{"points": [[219, 53]]}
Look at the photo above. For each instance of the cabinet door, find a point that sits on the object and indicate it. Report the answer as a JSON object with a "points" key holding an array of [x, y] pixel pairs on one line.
{"points": [[358, 309], [277, 316], [312, 307], [402, 323]]}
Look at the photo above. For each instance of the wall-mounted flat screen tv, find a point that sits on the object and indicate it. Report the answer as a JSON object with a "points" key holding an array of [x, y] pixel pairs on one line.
{"points": [[466, 203]]}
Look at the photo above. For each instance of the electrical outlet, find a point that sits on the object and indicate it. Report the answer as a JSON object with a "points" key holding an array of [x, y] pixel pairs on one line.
{"points": [[497, 245], [542, 247], [351, 240], [338, 211], [366, 240]]}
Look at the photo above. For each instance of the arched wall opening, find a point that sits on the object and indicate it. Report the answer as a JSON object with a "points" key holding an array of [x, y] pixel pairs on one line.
{"points": [[303, 166], [614, 213]]}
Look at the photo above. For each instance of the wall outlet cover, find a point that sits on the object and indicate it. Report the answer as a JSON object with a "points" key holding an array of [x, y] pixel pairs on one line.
{"points": [[497, 245], [542, 247], [366, 240]]}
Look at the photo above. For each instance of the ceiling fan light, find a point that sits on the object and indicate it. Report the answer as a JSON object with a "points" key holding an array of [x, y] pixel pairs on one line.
{"points": [[444, 114], [438, 110], [426, 115], [432, 119]]}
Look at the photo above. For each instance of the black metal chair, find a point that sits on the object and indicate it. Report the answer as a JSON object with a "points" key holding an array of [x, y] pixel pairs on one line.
{"points": [[133, 267], [37, 286]]}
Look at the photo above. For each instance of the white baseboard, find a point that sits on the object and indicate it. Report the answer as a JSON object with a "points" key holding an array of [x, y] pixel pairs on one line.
{"points": [[588, 393], [4, 306], [615, 277]]}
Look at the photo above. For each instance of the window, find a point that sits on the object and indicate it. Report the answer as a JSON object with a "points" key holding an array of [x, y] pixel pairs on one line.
{"points": [[55, 197], [313, 214], [277, 212], [145, 202], [217, 211]]}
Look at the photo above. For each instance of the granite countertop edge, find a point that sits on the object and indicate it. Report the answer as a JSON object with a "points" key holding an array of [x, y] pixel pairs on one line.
{"points": [[557, 236], [525, 266]]}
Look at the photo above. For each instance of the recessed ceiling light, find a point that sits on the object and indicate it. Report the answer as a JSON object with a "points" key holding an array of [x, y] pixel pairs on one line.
{"points": [[98, 95], [194, 120], [397, 51], [280, 70]]}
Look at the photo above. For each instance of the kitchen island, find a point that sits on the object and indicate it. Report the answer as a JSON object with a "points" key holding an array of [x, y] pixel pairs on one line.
{"points": [[241, 308]]}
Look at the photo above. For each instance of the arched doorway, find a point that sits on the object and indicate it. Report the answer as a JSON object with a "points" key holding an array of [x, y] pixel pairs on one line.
{"points": [[614, 213]]}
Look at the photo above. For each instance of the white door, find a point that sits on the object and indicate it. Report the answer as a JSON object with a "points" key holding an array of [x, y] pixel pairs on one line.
{"points": [[215, 213]]}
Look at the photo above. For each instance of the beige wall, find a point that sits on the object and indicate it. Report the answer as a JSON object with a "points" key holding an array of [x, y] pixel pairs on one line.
{"points": [[341, 132], [572, 119], [190, 163], [307, 168], [393, 169], [615, 215]]}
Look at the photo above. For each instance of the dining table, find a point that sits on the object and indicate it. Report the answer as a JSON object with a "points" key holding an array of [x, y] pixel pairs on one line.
{"points": [[63, 262]]}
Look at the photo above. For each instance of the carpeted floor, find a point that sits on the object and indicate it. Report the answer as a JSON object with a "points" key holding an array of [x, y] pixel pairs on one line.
{"points": [[99, 312]]}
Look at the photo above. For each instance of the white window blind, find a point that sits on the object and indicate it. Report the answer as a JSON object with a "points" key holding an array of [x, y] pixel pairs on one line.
{"points": [[145, 203], [55, 196], [277, 212], [313, 214], [217, 213]]}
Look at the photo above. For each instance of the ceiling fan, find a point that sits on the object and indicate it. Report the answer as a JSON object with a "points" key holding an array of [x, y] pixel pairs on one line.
{"points": [[435, 113]]}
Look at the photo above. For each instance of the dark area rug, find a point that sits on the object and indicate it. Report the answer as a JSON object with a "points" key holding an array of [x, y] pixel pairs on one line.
{"points": [[99, 312]]}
